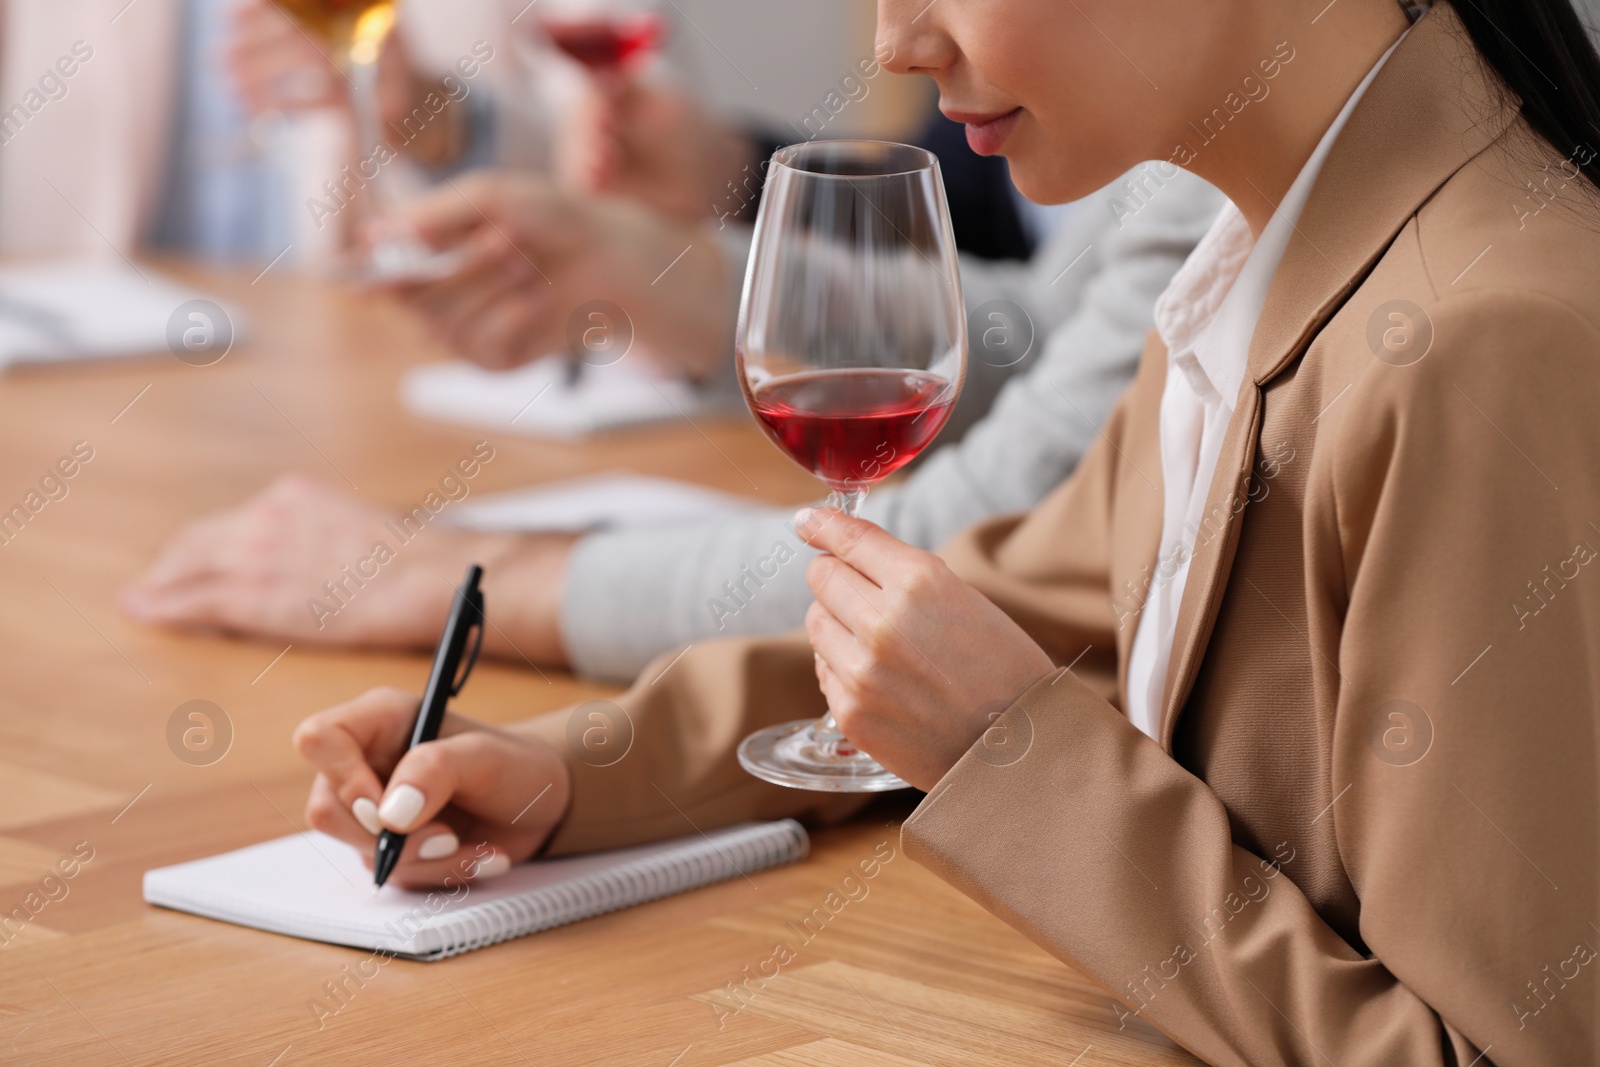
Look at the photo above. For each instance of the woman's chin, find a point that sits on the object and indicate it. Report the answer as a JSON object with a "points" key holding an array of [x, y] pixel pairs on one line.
{"points": [[1050, 184], [1056, 175]]}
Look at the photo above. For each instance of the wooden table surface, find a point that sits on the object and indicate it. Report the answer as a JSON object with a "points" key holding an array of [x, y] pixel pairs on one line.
{"points": [[913, 973]]}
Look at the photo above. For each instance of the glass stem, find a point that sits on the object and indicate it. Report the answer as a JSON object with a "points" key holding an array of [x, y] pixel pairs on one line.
{"points": [[847, 501], [369, 132]]}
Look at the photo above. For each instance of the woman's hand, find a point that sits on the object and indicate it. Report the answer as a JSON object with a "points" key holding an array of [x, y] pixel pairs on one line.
{"points": [[537, 259], [653, 141], [275, 65], [264, 567], [914, 662], [475, 786]]}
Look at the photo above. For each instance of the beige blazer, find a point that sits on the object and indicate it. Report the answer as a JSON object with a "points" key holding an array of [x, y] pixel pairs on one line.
{"points": [[1369, 832]]}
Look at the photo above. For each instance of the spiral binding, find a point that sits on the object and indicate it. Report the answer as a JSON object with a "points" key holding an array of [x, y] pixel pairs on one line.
{"points": [[714, 858]]}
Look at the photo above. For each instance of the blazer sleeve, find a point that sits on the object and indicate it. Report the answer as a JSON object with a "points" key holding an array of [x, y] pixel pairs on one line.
{"points": [[661, 760], [1443, 491]]}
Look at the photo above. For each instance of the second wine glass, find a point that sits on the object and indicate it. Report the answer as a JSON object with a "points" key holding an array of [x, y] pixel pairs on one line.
{"points": [[851, 351]]}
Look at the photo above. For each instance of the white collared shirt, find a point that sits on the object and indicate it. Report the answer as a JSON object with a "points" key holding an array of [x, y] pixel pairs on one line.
{"points": [[1206, 318]]}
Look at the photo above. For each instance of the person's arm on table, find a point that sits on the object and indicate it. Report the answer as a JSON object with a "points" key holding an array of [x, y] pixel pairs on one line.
{"points": [[280, 565]]}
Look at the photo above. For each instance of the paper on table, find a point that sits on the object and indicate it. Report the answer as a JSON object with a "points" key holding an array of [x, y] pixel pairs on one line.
{"points": [[615, 499], [314, 886], [86, 309], [536, 400]]}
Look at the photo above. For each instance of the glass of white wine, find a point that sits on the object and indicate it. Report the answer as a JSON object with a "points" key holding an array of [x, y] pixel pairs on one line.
{"points": [[356, 31]]}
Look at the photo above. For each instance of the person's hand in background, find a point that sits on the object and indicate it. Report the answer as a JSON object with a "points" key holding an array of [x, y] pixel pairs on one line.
{"points": [[533, 255], [654, 142], [261, 569], [476, 801], [276, 66]]}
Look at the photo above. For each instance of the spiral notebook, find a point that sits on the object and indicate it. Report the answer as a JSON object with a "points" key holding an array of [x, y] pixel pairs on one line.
{"points": [[313, 886]]}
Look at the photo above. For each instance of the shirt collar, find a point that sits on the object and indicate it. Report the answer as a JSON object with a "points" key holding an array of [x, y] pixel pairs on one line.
{"points": [[1208, 313]]}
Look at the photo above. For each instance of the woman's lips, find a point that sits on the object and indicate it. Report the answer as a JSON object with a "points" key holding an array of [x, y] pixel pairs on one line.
{"points": [[987, 134]]}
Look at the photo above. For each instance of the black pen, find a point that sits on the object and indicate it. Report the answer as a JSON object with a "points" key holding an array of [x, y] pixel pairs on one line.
{"points": [[446, 680]]}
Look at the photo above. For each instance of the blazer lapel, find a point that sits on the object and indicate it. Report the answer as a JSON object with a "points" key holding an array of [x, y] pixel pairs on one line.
{"points": [[1431, 109]]}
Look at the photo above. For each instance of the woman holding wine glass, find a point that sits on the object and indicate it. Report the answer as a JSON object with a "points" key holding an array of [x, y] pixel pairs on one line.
{"points": [[1278, 718]]}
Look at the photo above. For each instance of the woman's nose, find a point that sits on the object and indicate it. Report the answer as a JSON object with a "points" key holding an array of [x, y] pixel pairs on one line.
{"points": [[911, 39]]}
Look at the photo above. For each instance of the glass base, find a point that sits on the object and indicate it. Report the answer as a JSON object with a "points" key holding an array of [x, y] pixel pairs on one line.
{"points": [[802, 756], [400, 260]]}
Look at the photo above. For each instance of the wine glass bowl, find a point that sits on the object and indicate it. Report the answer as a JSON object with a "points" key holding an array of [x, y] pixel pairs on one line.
{"points": [[339, 22], [851, 344], [603, 36], [851, 352]]}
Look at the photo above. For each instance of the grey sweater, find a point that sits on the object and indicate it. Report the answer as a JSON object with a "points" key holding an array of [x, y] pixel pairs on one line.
{"points": [[1019, 429]]}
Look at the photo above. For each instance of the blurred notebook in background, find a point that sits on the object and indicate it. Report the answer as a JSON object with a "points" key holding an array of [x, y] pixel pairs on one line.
{"points": [[71, 310], [537, 400], [611, 500], [313, 886]]}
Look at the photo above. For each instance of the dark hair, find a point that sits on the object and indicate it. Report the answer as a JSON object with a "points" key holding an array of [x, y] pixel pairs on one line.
{"points": [[1543, 53]]}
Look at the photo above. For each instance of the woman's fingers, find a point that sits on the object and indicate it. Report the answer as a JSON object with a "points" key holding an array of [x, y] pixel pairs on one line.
{"points": [[870, 549], [195, 550], [848, 596], [449, 215], [472, 321], [343, 743], [472, 862], [501, 794], [495, 336], [436, 853], [849, 672], [325, 811], [471, 803], [202, 600], [482, 772], [483, 269]]}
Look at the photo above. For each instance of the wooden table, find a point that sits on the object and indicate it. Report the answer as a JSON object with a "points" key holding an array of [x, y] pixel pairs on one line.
{"points": [[914, 973]]}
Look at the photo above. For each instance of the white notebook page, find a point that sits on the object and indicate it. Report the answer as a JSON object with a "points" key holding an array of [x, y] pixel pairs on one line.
{"points": [[313, 886]]}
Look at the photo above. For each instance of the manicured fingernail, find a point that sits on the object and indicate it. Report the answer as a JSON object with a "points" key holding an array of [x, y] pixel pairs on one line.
{"points": [[438, 847], [401, 806], [495, 865], [803, 516], [366, 813]]}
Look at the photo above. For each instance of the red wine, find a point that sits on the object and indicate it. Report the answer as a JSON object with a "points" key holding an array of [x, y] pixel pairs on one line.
{"points": [[852, 427], [600, 43]]}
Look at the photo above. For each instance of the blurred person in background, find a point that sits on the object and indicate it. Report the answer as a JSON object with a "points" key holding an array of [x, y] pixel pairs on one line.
{"points": [[141, 126], [638, 190], [606, 603]]}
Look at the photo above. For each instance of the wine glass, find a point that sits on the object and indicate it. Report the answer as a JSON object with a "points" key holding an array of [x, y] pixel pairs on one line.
{"points": [[605, 36], [356, 31], [851, 350]]}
